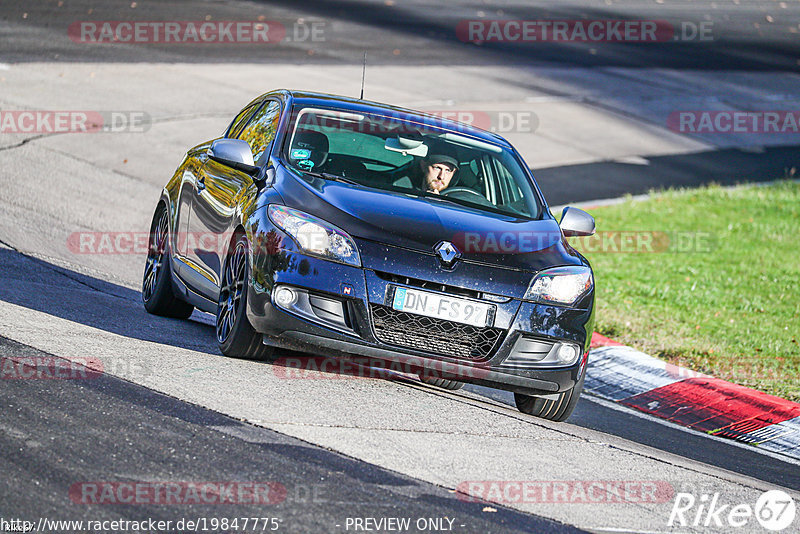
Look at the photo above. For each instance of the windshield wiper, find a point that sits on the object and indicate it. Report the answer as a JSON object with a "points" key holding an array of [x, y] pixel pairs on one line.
{"points": [[329, 176]]}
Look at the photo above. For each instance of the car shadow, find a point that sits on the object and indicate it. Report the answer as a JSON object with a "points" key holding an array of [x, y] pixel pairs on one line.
{"points": [[65, 293], [768, 50], [68, 294], [611, 179]]}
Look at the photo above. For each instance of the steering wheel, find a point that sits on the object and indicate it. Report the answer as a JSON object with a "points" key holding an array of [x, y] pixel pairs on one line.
{"points": [[458, 193]]}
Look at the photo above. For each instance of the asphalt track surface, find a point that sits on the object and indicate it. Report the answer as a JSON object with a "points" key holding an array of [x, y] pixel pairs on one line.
{"points": [[368, 447], [744, 37], [107, 425], [56, 433], [422, 32]]}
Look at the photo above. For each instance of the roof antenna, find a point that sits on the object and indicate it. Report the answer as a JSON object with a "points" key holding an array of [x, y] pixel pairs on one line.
{"points": [[363, 74]]}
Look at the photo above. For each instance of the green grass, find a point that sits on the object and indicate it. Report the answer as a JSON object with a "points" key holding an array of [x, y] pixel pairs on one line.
{"points": [[730, 307]]}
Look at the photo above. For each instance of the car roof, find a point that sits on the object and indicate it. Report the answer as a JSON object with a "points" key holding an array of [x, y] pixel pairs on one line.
{"points": [[310, 98]]}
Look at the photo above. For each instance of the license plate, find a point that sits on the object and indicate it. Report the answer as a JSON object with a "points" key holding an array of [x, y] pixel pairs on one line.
{"points": [[443, 307]]}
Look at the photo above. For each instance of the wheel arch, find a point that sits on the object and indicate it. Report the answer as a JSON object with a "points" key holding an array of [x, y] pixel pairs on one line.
{"points": [[166, 203], [237, 229]]}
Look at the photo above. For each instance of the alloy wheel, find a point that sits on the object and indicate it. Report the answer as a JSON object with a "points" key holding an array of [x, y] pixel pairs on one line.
{"points": [[230, 295], [155, 256]]}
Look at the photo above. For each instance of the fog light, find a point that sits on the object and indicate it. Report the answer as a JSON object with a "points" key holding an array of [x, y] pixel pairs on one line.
{"points": [[567, 353], [285, 297]]}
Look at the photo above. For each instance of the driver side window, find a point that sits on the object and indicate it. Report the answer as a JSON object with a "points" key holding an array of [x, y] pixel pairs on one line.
{"points": [[240, 120], [260, 131]]}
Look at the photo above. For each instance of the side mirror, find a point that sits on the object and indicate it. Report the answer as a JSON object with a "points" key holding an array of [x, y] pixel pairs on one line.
{"points": [[235, 153], [575, 222]]}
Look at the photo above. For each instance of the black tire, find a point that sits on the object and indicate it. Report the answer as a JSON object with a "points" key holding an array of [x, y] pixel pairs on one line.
{"points": [[157, 293], [443, 383], [235, 335], [553, 410]]}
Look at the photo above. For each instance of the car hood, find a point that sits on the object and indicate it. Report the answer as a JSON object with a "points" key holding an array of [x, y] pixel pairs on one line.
{"points": [[420, 223]]}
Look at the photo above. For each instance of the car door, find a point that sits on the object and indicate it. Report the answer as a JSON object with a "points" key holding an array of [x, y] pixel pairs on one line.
{"points": [[219, 189], [196, 159]]}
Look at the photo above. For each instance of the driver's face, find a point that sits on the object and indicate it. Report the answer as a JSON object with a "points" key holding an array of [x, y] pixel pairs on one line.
{"points": [[437, 176]]}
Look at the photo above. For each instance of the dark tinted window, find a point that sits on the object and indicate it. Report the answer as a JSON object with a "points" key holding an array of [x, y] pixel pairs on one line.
{"points": [[261, 130], [240, 120]]}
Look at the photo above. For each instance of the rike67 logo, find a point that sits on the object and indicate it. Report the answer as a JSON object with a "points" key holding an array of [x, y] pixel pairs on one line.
{"points": [[774, 510]]}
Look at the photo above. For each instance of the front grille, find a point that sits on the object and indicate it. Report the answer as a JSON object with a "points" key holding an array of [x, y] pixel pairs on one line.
{"points": [[426, 284], [434, 335]]}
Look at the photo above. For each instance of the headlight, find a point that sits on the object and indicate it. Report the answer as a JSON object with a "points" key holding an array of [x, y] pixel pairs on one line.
{"points": [[315, 236], [560, 285]]}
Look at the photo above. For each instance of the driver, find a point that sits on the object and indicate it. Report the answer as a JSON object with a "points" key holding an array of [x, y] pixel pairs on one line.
{"points": [[437, 172], [432, 174]]}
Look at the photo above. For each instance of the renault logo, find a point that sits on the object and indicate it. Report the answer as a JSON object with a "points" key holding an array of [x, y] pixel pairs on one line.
{"points": [[447, 253]]}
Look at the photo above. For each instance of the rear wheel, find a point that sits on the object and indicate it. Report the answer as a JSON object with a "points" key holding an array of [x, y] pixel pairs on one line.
{"points": [[235, 335], [441, 382], [554, 410], [157, 292]]}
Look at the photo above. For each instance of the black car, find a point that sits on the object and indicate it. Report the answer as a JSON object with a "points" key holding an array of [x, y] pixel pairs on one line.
{"points": [[318, 222]]}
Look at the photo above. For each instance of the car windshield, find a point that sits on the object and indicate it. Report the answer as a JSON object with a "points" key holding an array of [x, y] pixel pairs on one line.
{"points": [[411, 156]]}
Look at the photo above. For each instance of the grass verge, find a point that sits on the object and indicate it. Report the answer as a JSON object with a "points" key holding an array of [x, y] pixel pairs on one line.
{"points": [[705, 278]]}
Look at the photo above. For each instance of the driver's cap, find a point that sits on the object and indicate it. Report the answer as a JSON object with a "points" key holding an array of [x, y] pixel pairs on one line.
{"points": [[441, 152], [443, 158]]}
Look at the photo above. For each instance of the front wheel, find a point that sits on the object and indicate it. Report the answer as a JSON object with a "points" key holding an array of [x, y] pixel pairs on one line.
{"points": [[235, 335], [157, 292], [553, 410]]}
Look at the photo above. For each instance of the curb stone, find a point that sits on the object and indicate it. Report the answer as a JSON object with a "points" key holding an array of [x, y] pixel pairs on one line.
{"points": [[622, 374]]}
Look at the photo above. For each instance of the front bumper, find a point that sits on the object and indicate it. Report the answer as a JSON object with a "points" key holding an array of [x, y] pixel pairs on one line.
{"points": [[352, 332]]}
